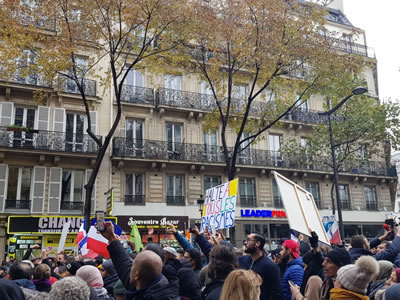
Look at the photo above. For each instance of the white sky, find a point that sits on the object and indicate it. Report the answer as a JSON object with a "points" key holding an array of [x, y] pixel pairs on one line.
{"points": [[381, 22]]}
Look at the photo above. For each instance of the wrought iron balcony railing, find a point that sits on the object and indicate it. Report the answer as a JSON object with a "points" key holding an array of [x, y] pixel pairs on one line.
{"points": [[176, 200], [350, 47], [248, 201], [134, 200], [372, 206], [178, 98], [137, 94], [18, 204], [48, 141], [162, 150], [72, 205], [67, 85]]}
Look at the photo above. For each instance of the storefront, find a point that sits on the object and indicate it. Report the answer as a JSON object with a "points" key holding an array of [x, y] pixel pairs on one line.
{"points": [[153, 228], [45, 231]]}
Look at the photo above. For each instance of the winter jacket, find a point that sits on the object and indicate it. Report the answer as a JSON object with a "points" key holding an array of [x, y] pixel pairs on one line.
{"points": [[342, 294], [161, 289], [204, 245], [109, 283], [189, 285], [389, 254], [25, 283], [269, 272], [213, 290], [101, 293], [374, 287], [312, 290], [10, 290], [42, 285], [294, 273], [182, 241]]}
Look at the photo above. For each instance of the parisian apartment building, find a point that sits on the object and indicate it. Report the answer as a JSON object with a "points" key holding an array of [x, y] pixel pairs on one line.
{"points": [[161, 160]]}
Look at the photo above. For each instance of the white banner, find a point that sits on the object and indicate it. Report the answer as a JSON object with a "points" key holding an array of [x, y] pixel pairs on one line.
{"points": [[63, 237]]}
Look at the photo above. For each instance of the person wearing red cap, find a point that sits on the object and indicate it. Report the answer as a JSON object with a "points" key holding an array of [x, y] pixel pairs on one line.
{"points": [[294, 272]]}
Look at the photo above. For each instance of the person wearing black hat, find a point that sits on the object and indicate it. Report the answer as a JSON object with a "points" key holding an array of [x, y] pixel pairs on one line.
{"points": [[334, 260], [73, 267]]}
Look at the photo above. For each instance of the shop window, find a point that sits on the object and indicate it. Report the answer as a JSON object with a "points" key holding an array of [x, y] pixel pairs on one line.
{"points": [[350, 230], [279, 231], [372, 231]]}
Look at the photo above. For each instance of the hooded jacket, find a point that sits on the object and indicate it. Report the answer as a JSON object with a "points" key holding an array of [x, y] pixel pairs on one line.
{"points": [[161, 289], [294, 273], [342, 294]]}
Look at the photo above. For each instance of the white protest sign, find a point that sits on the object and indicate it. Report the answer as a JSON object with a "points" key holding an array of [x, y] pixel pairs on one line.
{"points": [[63, 236], [301, 210], [219, 207]]}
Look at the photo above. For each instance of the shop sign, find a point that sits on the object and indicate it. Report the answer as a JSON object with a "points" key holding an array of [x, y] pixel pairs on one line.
{"points": [[262, 213], [44, 224], [181, 223]]}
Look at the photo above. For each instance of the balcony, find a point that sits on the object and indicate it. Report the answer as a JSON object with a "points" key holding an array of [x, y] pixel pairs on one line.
{"points": [[176, 200], [67, 85], [350, 47], [198, 153], [71, 205], [18, 204], [47, 141], [248, 201], [373, 206], [178, 98], [134, 200], [137, 94]]}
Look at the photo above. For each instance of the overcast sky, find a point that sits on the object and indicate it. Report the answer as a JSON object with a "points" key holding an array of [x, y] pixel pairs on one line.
{"points": [[381, 22]]}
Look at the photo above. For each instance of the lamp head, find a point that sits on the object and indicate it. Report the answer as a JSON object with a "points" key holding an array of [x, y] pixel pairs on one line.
{"points": [[359, 90]]}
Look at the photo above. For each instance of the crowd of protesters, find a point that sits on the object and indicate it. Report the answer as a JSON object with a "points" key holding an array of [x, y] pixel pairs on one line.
{"points": [[210, 268]]}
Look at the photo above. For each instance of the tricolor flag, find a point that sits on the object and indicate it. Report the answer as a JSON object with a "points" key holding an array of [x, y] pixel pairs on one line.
{"points": [[332, 229], [81, 239], [97, 243]]}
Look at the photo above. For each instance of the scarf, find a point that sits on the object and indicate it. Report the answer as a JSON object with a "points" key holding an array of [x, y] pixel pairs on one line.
{"points": [[346, 295]]}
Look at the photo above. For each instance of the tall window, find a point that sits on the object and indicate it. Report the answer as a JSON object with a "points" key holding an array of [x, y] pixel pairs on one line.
{"points": [[19, 187], [134, 192], [313, 188], [247, 189], [134, 135], [370, 197], [275, 147], [23, 117], [270, 96], [344, 195], [75, 129], [277, 195], [244, 151], [72, 185], [82, 65], [175, 190], [207, 97], [210, 146], [210, 182], [172, 84], [174, 137], [240, 91], [134, 78], [24, 63]]}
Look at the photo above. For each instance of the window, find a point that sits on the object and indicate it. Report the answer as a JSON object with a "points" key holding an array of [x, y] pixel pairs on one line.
{"points": [[210, 153], [72, 188], [174, 139], [134, 78], [240, 91], [24, 65], [74, 133], [175, 190], [207, 97], [279, 231], [344, 196], [134, 189], [348, 41], [247, 189], [19, 187], [303, 105], [82, 65], [23, 117], [210, 182], [244, 150], [270, 96], [172, 82], [134, 137], [370, 197], [274, 147], [277, 195], [313, 188], [351, 230]]}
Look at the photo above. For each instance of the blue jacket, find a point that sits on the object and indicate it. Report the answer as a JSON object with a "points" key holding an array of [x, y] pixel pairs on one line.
{"points": [[294, 272], [389, 254], [269, 272], [182, 241], [204, 245]]}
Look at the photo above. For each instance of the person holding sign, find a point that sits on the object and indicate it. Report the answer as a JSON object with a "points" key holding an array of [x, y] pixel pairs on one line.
{"points": [[263, 266]]}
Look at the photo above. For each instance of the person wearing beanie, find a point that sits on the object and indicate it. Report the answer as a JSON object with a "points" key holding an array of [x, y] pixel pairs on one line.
{"points": [[110, 276], [385, 271], [72, 268], [290, 254], [352, 280], [93, 278], [334, 260], [119, 290], [392, 293]]}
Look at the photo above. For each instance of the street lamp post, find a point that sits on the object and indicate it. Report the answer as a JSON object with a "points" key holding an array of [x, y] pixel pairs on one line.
{"points": [[356, 91]]}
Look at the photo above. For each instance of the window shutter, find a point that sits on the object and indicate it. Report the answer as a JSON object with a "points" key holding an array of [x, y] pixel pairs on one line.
{"points": [[93, 121], [3, 185], [43, 118], [93, 198], [59, 120], [37, 193], [7, 109], [55, 190]]}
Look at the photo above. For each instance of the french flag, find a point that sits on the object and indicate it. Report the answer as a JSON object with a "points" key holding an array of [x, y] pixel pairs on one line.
{"points": [[81, 239], [97, 243]]}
